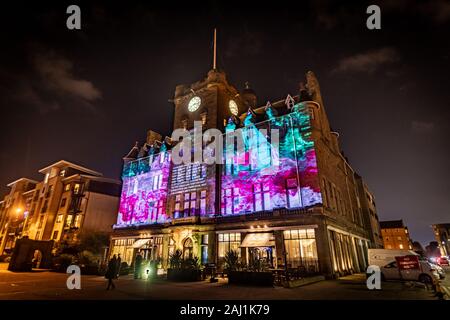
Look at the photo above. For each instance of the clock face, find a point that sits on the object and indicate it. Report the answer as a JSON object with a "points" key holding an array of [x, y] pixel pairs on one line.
{"points": [[233, 108], [194, 103]]}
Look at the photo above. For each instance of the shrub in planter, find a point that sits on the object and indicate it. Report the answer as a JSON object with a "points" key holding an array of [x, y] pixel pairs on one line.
{"points": [[61, 262], [183, 269], [88, 262]]}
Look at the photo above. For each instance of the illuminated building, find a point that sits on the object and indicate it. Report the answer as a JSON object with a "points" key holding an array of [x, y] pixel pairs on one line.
{"points": [[69, 200], [395, 235], [442, 235], [296, 203]]}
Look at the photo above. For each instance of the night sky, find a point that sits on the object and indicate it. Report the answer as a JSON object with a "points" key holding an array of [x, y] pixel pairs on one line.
{"points": [[87, 95]]}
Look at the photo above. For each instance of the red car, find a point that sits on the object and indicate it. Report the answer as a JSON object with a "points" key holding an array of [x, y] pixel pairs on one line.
{"points": [[442, 261]]}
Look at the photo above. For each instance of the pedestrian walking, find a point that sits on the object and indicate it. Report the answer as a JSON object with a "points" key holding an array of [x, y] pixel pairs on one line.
{"points": [[138, 266], [111, 272], [119, 264]]}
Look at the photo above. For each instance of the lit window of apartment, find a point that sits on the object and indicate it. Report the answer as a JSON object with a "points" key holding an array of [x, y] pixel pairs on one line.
{"points": [[186, 204], [400, 246], [47, 175], [76, 188], [59, 218], [68, 221], [67, 187], [77, 221], [62, 173]]}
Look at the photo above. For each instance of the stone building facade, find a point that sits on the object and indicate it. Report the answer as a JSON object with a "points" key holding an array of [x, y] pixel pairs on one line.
{"points": [[295, 204]]}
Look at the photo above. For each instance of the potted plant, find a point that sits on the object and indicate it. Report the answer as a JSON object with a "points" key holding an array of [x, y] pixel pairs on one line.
{"points": [[183, 269], [255, 274]]}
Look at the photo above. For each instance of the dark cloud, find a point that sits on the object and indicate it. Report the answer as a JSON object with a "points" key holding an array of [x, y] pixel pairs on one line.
{"points": [[48, 84], [367, 62]]}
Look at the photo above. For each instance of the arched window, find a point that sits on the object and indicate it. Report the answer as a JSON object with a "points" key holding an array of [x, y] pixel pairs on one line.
{"points": [[188, 248]]}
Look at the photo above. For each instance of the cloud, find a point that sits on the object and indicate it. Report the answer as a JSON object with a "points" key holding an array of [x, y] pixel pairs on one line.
{"points": [[367, 62], [46, 82], [422, 126], [56, 72]]}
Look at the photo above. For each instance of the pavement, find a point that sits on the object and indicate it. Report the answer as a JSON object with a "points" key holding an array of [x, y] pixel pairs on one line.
{"points": [[46, 285]]}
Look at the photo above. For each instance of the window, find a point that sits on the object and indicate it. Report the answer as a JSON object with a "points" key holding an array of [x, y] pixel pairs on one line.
{"points": [[41, 222], [177, 206], [301, 248], [228, 242], [186, 204], [55, 235], [63, 202], [47, 175], [203, 202], [76, 188], [292, 192], [44, 207], [204, 249], [77, 221], [59, 218], [62, 173], [68, 221], [400, 246], [193, 203], [67, 187]]}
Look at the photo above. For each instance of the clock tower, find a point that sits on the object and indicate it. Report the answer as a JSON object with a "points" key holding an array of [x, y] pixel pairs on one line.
{"points": [[211, 101]]}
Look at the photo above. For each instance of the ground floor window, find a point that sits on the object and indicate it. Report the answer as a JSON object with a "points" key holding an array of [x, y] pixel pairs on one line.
{"points": [[227, 242], [124, 247], [301, 249]]}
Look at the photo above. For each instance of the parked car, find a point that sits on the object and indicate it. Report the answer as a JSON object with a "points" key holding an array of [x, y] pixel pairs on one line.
{"points": [[443, 261], [439, 269], [385, 259]]}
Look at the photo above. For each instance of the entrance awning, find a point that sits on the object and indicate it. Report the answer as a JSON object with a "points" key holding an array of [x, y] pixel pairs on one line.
{"points": [[140, 242], [258, 239]]}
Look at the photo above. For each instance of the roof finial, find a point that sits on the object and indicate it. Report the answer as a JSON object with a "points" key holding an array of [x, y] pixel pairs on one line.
{"points": [[215, 50]]}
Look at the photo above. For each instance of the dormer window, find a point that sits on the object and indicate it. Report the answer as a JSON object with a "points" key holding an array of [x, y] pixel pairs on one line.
{"points": [[62, 173]]}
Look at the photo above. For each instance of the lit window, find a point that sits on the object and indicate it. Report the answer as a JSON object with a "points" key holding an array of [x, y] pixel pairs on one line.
{"points": [[47, 175], [67, 187], [59, 218], [62, 173], [78, 221], [203, 203], [76, 188], [228, 242], [69, 221], [401, 246], [301, 248]]}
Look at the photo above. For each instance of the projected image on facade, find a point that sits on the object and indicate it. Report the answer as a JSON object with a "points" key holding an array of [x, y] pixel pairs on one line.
{"points": [[264, 176], [145, 189]]}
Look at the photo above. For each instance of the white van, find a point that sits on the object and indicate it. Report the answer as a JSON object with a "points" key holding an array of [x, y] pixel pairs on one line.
{"points": [[385, 259]]}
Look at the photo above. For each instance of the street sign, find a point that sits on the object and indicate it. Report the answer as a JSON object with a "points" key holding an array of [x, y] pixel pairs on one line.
{"points": [[408, 262]]}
